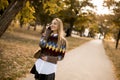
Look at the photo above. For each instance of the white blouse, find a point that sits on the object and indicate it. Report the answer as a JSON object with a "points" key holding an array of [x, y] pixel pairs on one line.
{"points": [[44, 67]]}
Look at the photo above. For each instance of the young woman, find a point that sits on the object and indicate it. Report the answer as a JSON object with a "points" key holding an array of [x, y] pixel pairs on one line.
{"points": [[53, 48]]}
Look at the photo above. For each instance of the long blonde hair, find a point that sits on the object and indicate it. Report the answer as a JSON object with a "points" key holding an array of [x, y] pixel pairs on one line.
{"points": [[61, 34]]}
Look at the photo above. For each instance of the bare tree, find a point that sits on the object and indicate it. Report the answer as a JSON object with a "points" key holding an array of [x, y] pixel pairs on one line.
{"points": [[10, 13]]}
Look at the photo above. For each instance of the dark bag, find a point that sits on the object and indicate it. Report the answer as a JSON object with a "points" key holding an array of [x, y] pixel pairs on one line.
{"points": [[37, 54]]}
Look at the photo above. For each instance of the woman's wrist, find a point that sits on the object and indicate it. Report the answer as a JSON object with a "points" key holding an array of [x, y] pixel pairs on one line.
{"points": [[45, 58]]}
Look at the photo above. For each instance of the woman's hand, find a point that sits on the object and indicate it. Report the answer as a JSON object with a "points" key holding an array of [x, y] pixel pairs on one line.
{"points": [[44, 58], [44, 34]]}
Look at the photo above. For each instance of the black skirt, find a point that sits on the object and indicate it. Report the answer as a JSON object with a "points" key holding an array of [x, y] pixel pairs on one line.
{"points": [[42, 76], [45, 77]]}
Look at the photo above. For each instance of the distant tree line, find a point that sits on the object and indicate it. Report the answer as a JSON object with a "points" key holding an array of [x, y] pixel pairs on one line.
{"points": [[73, 13]]}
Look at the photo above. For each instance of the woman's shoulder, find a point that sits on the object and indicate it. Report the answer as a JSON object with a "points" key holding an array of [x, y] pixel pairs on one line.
{"points": [[63, 40]]}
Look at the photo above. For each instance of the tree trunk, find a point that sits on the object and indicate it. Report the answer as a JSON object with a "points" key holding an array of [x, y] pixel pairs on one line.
{"points": [[117, 41], [35, 27], [10, 13], [69, 30]]}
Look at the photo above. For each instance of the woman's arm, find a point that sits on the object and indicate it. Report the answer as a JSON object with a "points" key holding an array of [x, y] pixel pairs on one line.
{"points": [[44, 37]]}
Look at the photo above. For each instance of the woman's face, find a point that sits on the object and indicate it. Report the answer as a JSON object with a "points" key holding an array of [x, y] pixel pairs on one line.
{"points": [[54, 25]]}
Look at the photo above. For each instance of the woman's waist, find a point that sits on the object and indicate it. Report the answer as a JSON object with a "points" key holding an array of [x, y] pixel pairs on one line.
{"points": [[49, 53], [46, 62], [50, 58]]}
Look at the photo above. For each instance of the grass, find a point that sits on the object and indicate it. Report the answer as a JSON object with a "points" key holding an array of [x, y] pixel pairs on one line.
{"points": [[114, 55], [17, 48], [74, 42]]}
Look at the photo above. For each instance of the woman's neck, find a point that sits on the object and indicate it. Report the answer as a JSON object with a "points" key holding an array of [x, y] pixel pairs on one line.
{"points": [[55, 32]]}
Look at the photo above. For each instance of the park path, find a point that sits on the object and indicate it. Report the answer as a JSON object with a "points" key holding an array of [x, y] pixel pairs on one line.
{"points": [[86, 62]]}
